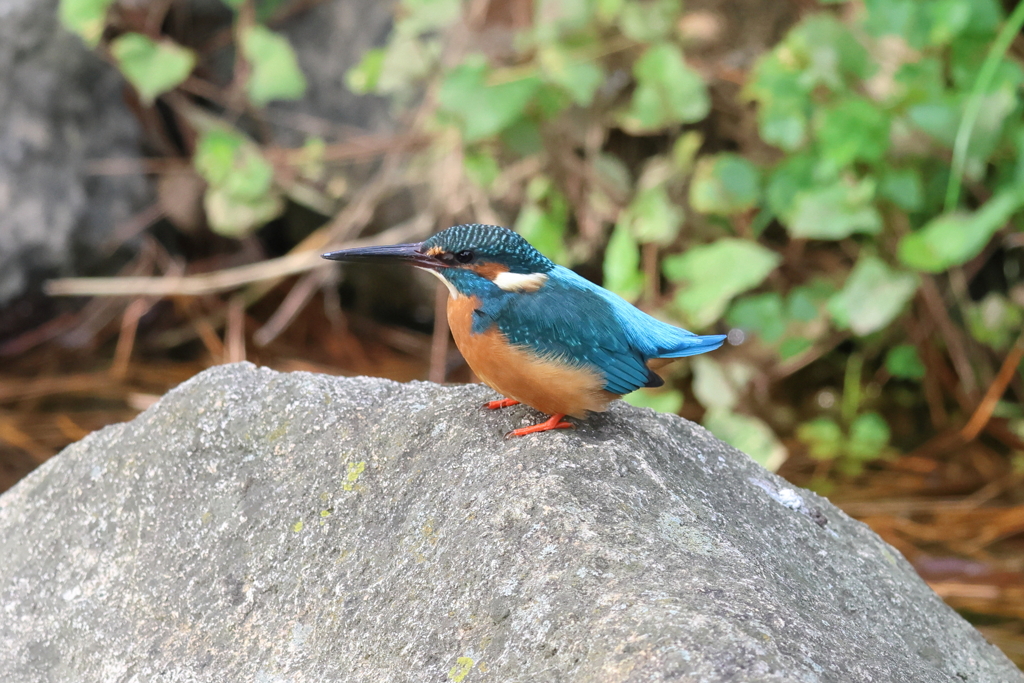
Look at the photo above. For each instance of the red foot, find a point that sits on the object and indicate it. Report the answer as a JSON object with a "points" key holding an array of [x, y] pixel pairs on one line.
{"points": [[554, 422], [503, 403]]}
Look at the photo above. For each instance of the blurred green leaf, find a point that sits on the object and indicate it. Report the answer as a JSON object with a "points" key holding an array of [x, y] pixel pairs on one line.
{"points": [[903, 187], [241, 194], [151, 67], [615, 173], [747, 434], [724, 184], [419, 16], [407, 60], [484, 109], [806, 302], [652, 216], [823, 437], [231, 217], [902, 361], [661, 400], [719, 385], [793, 174], [948, 19], [668, 91], [523, 138], [853, 129], [579, 77], [874, 294], [938, 118], [922, 80], [869, 435], [825, 52], [904, 18], [686, 146], [646, 22], [794, 346], [835, 211], [761, 314], [481, 167], [783, 100], [363, 77], [952, 239], [275, 69], [543, 219], [87, 18], [622, 264], [995, 320], [715, 273]]}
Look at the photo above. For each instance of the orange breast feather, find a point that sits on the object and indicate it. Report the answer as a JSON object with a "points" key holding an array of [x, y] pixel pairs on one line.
{"points": [[546, 384]]}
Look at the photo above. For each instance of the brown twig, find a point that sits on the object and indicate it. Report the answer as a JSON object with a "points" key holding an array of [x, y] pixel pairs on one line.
{"points": [[983, 413], [126, 340], [439, 342], [298, 296], [954, 342], [234, 331], [217, 281]]}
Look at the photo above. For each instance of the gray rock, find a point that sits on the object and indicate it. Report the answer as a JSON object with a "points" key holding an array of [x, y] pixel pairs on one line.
{"points": [[256, 526], [60, 107]]}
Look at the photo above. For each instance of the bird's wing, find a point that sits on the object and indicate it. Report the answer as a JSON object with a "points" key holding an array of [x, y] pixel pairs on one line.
{"points": [[570, 321]]}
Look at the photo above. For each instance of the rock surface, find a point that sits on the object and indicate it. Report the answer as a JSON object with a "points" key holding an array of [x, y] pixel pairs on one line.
{"points": [[256, 526], [60, 108]]}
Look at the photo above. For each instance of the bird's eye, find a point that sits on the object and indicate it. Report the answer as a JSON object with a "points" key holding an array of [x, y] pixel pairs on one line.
{"points": [[464, 256]]}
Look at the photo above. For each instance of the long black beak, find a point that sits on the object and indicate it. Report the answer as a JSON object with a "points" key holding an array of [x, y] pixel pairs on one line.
{"points": [[409, 253]]}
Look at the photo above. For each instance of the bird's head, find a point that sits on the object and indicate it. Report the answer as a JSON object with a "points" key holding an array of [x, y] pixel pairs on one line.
{"points": [[468, 259]]}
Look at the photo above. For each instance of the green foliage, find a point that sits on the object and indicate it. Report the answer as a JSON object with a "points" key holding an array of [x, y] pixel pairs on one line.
{"points": [[953, 239], [834, 211], [748, 434], [275, 69], [483, 108], [872, 297], [241, 194], [711, 275], [718, 386], [902, 361], [543, 219], [87, 18], [622, 264], [152, 67], [866, 439], [663, 401], [652, 216], [724, 184], [668, 91]]}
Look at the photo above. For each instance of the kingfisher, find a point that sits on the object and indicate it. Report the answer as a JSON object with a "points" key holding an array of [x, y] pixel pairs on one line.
{"points": [[536, 332]]}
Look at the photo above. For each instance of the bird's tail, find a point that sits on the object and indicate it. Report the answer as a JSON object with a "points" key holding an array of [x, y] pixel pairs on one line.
{"points": [[692, 345]]}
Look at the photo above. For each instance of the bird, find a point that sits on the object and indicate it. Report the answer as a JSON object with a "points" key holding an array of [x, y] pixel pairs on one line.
{"points": [[536, 332]]}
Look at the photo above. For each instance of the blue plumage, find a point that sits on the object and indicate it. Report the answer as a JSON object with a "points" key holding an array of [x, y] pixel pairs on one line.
{"points": [[576, 321]]}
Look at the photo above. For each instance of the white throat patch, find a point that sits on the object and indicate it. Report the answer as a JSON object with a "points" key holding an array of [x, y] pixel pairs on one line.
{"points": [[520, 282], [451, 288]]}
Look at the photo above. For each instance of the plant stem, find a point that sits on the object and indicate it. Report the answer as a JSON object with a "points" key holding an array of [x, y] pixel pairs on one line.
{"points": [[974, 103]]}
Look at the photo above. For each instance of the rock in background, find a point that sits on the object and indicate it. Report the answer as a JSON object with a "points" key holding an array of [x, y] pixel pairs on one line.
{"points": [[60, 107], [329, 39], [256, 526]]}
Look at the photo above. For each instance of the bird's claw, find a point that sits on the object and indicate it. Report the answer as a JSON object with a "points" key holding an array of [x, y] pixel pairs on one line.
{"points": [[554, 422], [500, 403]]}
